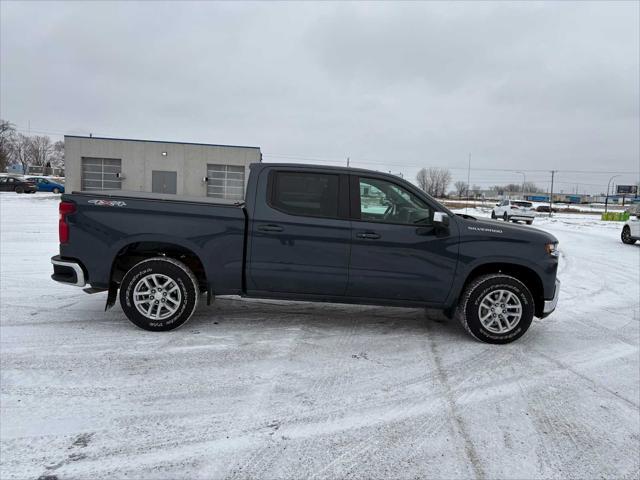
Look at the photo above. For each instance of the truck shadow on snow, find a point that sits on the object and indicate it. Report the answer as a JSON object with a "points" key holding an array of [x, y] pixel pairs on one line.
{"points": [[328, 317]]}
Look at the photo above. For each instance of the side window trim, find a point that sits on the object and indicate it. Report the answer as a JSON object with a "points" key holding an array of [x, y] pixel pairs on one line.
{"points": [[343, 192]]}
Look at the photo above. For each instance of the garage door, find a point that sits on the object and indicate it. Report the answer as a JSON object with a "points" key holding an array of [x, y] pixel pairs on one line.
{"points": [[225, 181], [101, 173]]}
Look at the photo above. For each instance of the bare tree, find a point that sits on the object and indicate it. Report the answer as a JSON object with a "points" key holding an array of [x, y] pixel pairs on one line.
{"points": [[434, 181], [7, 131], [57, 155], [461, 188], [516, 187], [40, 149], [20, 150], [423, 179]]}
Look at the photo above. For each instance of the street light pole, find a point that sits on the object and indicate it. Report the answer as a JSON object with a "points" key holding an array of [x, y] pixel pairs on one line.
{"points": [[606, 198], [524, 180]]}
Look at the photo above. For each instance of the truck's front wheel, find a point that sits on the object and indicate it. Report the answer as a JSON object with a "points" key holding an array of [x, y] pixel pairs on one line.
{"points": [[159, 294], [496, 308]]}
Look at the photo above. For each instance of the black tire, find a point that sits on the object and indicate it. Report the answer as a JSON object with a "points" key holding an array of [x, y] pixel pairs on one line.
{"points": [[469, 307], [529, 222], [19, 190], [625, 236], [56, 190], [505, 217], [493, 215], [179, 274]]}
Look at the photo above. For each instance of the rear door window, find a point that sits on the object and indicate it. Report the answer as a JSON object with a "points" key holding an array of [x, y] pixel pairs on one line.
{"points": [[306, 194]]}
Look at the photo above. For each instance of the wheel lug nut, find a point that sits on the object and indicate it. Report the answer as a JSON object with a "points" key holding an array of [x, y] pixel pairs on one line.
{"points": [[164, 294], [163, 300], [156, 302]]}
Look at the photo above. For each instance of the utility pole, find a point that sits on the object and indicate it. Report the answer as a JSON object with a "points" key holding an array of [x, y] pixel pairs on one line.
{"points": [[468, 180], [347, 161], [606, 199], [553, 173]]}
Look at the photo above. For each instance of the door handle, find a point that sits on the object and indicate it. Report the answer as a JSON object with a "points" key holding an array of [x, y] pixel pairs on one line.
{"points": [[270, 228], [368, 235]]}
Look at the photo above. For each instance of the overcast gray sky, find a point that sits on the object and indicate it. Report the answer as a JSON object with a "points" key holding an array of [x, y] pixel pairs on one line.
{"points": [[393, 86]]}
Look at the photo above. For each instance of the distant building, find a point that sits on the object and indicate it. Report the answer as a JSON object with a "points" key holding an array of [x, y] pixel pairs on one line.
{"points": [[15, 168], [191, 169]]}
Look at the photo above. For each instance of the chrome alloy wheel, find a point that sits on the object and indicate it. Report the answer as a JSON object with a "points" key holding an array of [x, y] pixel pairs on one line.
{"points": [[157, 296], [500, 311]]}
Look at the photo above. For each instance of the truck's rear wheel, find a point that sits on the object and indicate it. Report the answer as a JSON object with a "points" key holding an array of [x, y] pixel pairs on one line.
{"points": [[159, 294], [496, 308]]}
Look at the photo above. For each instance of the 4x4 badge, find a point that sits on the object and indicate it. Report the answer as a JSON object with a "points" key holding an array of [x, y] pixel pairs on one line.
{"points": [[108, 203]]}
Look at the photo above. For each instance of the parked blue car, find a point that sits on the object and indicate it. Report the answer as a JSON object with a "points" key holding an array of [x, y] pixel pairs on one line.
{"points": [[46, 185]]}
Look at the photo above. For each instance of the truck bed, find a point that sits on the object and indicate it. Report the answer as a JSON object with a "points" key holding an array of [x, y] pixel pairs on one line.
{"points": [[107, 223]]}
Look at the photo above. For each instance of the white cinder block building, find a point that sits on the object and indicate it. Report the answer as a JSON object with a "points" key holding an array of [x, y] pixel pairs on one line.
{"points": [[191, 169]]}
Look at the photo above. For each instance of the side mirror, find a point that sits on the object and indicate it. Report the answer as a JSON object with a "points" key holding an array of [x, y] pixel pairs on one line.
{"points": [[497, 204], [440, 219]]}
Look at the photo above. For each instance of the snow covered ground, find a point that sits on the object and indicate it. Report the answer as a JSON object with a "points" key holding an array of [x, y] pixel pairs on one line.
{"points": [[258, 389]]}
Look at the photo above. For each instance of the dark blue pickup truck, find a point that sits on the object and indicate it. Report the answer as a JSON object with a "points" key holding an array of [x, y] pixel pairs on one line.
{"points": [[310, 233]]}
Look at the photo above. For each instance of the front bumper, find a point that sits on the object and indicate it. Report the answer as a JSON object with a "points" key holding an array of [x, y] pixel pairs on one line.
{"points": [[68, 271], [550, 305]]}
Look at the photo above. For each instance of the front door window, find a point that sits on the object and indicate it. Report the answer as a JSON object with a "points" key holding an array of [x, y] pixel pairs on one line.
{"points": [[383, 201]]}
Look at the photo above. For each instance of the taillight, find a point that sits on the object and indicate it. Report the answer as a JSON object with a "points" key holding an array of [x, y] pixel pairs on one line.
{"points": [[65, 208]]}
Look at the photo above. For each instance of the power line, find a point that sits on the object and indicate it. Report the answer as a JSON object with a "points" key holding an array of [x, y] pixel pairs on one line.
{"points": [[487, 169], [364, 161]]}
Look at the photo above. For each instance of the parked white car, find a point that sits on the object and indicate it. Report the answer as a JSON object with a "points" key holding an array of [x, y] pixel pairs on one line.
{"points": [[631, 230], [514, 210]]}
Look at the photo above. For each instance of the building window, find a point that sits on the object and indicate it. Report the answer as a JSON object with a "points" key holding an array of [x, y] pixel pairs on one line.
{"points": [[307, 194], [225, 181], [101, 173]]}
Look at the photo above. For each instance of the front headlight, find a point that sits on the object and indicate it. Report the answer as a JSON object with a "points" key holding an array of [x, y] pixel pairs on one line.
{"points": [[552, 249]]}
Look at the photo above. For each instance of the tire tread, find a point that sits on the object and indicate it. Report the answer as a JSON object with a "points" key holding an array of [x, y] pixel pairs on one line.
{"points": [[186, 270], [462, 304]]}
